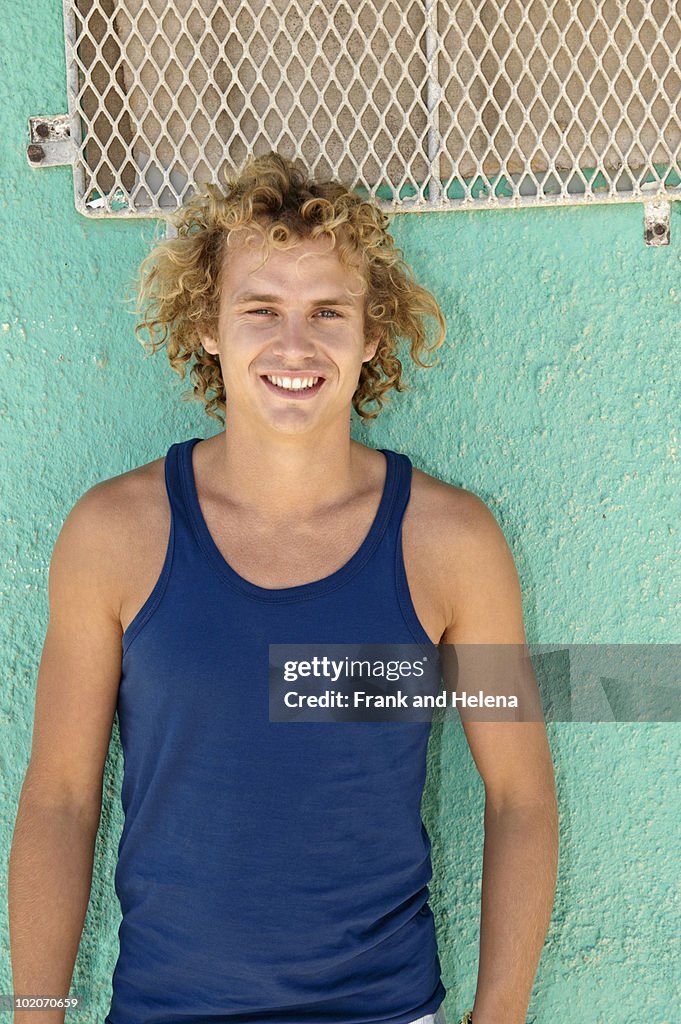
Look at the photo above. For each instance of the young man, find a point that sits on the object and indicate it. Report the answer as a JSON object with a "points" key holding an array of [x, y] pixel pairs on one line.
{"points": [[272, 872]]}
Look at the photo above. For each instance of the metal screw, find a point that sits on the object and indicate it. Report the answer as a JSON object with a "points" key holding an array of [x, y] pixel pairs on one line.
{"points": [[659, 229], [42, 129], [35, 153]]}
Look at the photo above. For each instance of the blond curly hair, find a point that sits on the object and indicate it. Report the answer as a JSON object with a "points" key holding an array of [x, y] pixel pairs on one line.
{"points": [[177, 289]]}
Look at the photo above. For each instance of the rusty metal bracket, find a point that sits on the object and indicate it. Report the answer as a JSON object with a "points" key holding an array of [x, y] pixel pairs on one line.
{"points": [[656, 226], [50, 143]]}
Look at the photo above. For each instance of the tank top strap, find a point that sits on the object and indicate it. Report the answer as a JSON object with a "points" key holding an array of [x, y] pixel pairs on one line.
{"points": [[175, 475], [387, 563], [400, 471]]}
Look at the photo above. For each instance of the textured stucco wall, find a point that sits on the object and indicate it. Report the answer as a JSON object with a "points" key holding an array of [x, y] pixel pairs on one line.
{"points": [[554, 401]]}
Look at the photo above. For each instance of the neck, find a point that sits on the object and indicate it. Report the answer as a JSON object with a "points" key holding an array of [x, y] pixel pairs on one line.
{"points": [[289, 477]]}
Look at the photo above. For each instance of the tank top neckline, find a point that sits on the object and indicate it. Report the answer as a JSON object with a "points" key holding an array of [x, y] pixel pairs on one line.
{"points": [[301, 591]]}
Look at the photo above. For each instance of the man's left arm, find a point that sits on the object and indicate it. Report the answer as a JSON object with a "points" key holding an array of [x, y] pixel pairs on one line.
{"points": [[520, 855]]}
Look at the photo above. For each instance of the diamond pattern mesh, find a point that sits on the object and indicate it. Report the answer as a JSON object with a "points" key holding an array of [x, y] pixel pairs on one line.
{"points": [[422, 105]]}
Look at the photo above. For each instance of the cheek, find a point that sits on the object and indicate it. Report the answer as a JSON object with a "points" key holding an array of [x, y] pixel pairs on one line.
{"points": [[344, 347]]}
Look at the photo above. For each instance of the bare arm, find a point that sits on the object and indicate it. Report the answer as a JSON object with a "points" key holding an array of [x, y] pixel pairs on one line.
{"points": [[520, 854], [51, 858]]}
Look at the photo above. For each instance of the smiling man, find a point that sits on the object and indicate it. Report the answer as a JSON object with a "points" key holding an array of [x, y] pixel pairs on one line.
{"points": [[272, 873]]}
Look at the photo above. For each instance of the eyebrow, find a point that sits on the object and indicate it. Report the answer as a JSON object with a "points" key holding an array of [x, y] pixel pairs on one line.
{"points": [[255, 297]]}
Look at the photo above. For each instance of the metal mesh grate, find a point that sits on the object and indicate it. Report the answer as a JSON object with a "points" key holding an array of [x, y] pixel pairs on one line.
{"points": [[422, 105]]}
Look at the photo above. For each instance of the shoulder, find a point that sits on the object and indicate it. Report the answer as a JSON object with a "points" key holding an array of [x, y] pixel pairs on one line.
{"points": [[471, 561], [110, 523], [117, 502], [454, 513]]}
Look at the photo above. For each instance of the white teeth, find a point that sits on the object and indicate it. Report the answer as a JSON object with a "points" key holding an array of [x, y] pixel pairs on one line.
{"points": [[293, 383]]}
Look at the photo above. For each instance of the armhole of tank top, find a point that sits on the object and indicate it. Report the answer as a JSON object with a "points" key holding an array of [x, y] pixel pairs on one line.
{"points": [[154, 599], [404, 597]]}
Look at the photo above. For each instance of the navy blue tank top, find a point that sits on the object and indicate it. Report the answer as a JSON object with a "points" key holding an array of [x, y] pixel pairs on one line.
{"points": [[268, 873]]}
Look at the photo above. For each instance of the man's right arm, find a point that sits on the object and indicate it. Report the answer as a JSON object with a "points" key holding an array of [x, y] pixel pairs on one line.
{"points": [[51, 858]]}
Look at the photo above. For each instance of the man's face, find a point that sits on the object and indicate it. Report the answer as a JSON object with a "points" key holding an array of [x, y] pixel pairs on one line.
{"points": [[292, 318]]}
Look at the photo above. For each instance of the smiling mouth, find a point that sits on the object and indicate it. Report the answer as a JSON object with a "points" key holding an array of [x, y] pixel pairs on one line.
{"points": [[303, 389]]}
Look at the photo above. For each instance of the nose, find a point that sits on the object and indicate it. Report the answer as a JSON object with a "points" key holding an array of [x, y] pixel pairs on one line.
{"points": [[293, 341]]}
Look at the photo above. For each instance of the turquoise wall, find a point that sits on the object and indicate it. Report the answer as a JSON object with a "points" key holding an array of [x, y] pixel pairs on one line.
{"points": [[554, 401]]}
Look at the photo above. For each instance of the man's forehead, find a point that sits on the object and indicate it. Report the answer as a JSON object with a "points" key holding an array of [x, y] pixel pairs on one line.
{"points": [[252, 270]]}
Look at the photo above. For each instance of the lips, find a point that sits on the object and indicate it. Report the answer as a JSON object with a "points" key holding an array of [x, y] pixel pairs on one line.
{"points": [[299, 394]]}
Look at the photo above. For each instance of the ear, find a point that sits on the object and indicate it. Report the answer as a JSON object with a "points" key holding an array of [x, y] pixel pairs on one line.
{"points": [[372, 340], [209, 343], [370, 348]]}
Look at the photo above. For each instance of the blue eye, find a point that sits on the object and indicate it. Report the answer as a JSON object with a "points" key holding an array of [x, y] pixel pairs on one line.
{"points": [[256, 311]]}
